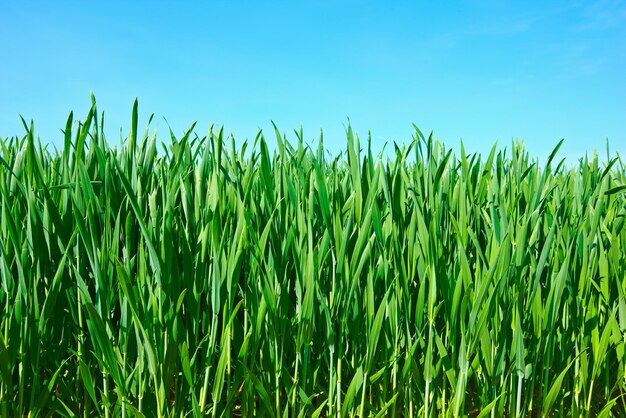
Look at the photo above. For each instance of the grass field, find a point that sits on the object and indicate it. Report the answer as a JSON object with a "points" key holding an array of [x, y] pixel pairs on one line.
{"points": [[199, 278]]}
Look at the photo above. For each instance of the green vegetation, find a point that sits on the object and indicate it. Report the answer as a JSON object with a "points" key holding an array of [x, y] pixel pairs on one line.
{"points": [[206, 279]]}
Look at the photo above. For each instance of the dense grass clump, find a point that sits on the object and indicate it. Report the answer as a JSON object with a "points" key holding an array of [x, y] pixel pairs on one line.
{"points": [[223, 280]]}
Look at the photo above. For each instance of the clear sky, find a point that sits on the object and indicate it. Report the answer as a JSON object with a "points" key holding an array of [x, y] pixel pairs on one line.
{"points": [[472, 70]]}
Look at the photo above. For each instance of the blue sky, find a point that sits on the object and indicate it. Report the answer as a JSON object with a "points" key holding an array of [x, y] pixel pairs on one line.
{"points": [[472, 70]]}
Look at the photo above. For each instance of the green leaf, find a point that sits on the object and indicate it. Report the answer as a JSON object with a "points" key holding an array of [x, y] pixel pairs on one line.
{"points": [[354, 386]]}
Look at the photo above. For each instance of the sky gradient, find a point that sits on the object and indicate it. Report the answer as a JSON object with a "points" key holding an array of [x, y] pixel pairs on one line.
{"points": [[471, 70]]}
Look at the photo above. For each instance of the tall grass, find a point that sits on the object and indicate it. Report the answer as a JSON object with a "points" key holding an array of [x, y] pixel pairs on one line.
{"points": [[210, 279]]}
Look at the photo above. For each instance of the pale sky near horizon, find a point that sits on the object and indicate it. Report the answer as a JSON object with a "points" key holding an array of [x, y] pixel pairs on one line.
{"points": [[472, 70]]}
